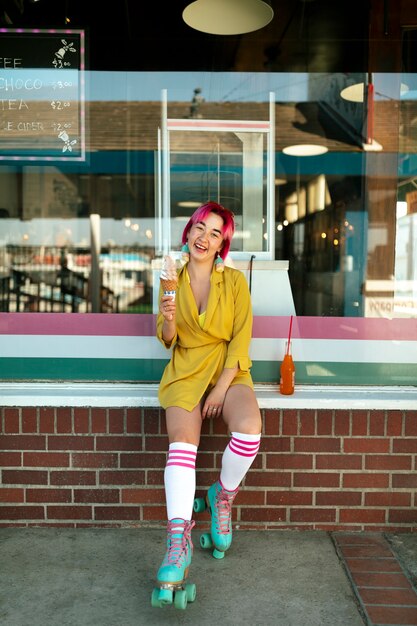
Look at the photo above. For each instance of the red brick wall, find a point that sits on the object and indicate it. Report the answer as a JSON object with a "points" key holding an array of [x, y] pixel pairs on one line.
{"points": [[317, 469]]}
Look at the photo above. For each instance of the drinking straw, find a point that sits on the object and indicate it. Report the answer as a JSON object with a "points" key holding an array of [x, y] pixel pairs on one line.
{"points": [[289, 336]]}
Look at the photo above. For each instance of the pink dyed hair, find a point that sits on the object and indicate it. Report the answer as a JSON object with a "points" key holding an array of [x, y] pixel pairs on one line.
{"points": [[227, 216]]}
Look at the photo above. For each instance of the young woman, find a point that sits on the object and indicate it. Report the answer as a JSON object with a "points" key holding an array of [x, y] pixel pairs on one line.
{"points": [[208, 326]]}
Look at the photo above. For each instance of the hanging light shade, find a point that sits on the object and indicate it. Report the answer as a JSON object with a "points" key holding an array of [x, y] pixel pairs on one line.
{"points": [[228, 17], [305, 149], [354, 93]]}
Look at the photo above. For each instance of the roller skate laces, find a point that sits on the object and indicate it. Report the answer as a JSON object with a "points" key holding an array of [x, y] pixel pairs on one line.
{"points": [[223, 505], [179, 551]]}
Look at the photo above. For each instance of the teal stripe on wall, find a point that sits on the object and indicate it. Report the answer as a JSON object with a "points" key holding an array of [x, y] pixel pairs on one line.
{"points": [[120, 370], [150, 370], [324, 373]]}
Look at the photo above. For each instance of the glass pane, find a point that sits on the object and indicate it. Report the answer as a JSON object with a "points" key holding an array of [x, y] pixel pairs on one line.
{"points": [[343, 220], [226, 175]]}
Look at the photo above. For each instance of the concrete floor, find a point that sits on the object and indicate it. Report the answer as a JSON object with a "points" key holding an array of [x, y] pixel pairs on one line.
{"points": [[89, 577]]}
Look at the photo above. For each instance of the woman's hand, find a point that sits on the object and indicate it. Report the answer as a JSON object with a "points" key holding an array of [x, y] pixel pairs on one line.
{"points": [[213, 404], [167, 308]]}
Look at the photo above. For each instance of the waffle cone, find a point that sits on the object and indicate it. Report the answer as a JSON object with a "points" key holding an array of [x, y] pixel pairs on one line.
{"points": [[169, 285]]}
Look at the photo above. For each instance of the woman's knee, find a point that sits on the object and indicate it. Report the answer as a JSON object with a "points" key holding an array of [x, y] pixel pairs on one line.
{"points": [[250, 425], [183, 426], [241, 411], [184, 437]]}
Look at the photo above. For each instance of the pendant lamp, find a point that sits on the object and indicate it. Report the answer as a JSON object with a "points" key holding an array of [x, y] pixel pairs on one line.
{"points": [[305, 149], [228, 17]]}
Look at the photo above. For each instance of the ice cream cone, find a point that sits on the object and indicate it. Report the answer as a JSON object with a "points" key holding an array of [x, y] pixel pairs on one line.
{"points": [[169, 287], [169, 277]]}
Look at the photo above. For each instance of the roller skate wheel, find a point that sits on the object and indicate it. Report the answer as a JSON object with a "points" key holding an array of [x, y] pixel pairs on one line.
{"points": [[191, 591], [155, 598], [180, 599], [217, 554], [206, 541], [199, 505], [165, 597], [161, 597]]}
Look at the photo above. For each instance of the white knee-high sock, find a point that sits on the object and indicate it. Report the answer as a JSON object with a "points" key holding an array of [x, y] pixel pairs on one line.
{"points": [[237, 458], [179, 478]]}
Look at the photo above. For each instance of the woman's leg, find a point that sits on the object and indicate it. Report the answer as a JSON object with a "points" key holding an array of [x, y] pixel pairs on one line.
{"points": [[241, 411], [184, 435], [180, 477], [243, 418]]}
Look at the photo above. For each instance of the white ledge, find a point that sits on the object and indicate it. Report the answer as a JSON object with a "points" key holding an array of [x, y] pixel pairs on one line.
{"points": [[146, 395]]}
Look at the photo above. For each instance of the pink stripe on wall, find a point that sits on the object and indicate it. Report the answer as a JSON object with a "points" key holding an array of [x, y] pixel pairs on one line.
{"points": [[116, 325], [137, 325], [226, 124], [336, 328]]}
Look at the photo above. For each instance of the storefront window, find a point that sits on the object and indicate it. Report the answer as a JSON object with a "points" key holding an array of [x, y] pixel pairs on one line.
{"points": [[82, 236]]}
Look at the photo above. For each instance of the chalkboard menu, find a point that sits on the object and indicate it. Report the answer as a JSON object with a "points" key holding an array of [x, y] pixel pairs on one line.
{"points": [[42, 95]]}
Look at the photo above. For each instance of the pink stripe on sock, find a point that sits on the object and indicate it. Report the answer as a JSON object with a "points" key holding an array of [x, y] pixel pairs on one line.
{"points": [[181, 458], [244, 450], [182, 454], [178, 460], [241, 453], [176, 457], [177, 450], [180, 465], [246, 444]]}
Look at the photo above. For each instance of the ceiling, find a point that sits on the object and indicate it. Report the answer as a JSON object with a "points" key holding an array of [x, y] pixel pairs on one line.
{"points": [[304, 35]]}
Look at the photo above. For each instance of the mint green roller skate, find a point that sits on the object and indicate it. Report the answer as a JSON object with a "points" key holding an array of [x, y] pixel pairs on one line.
{"points": [[219, 503], [171, 576]]}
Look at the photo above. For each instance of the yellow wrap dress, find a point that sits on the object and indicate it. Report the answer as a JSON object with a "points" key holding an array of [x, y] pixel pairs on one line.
{"points": [[200, 353]]}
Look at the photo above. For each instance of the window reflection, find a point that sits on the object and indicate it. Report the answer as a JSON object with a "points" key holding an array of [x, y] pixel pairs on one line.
{"points": [[345, 220]]}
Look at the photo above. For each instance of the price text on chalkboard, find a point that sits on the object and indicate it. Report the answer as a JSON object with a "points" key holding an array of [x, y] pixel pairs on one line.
{"points": [[42, 95]]}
